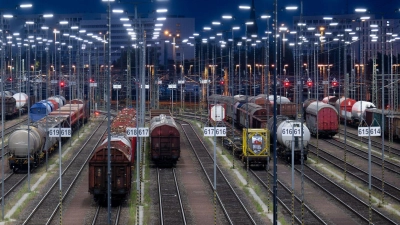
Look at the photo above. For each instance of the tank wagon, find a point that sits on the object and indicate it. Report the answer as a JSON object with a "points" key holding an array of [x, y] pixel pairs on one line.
{"points": [[358, 111], [344, 106], [123, 150], [38, 145], [284, 149], [45, 107], [164, 139], [14, 103]]}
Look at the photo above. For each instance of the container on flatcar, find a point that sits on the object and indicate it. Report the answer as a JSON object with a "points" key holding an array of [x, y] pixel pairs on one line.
{"points": [[164, 139], [322, 118], [256, 147], [344, 106]]}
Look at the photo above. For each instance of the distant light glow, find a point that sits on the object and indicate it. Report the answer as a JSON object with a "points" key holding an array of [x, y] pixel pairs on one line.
{"points": [[360, 10], [291, 7], [25, 5], [244, 7]]}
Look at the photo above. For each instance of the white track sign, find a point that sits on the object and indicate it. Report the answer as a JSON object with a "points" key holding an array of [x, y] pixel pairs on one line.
{"points": [[217, 113], [369, 131], [55, 132], [289, 131], [137, 132], [217, 131]]}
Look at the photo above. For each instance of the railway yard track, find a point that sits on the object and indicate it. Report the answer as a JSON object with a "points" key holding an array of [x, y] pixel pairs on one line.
{"points": [[285, 199], [11, 182], [232, 205], [49, 204], [389, 166], [355, 205], [394, 147], [101, 215], [361, 175], [171, 207]]}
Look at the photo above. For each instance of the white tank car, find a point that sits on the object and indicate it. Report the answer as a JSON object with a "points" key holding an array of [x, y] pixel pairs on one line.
{"points": [[58, 99], [279, 99], [21, 100], [286, 140], [359, 108], [18, 141]]}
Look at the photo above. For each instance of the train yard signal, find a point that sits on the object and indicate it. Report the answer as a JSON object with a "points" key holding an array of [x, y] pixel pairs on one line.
{"points": [[309, 83], [334, 83], [286, 83]]}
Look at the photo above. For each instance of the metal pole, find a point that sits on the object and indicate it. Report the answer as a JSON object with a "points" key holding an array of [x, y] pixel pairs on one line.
{"points": [[108, 88], [275, 190], [2, 115], [28, 93]]}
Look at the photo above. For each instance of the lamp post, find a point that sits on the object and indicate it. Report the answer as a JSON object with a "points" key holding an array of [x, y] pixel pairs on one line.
{"points": [[2, 73], [108, 90]]}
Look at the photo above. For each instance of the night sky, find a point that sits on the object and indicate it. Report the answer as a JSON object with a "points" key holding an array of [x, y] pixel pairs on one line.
{"points": [[205, 11]]}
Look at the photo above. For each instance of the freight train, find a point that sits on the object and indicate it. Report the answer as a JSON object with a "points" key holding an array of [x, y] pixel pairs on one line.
{"points": [[15, 103], [44, 107], [33, 143], [355, 112], [249, 114], [164, 138], [123, 150]]}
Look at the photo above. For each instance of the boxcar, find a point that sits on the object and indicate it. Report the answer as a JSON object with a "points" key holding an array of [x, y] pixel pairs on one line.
{"points": [[164, 140], [123, 151], [251, 111], [322, 118], [121, 161]]}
